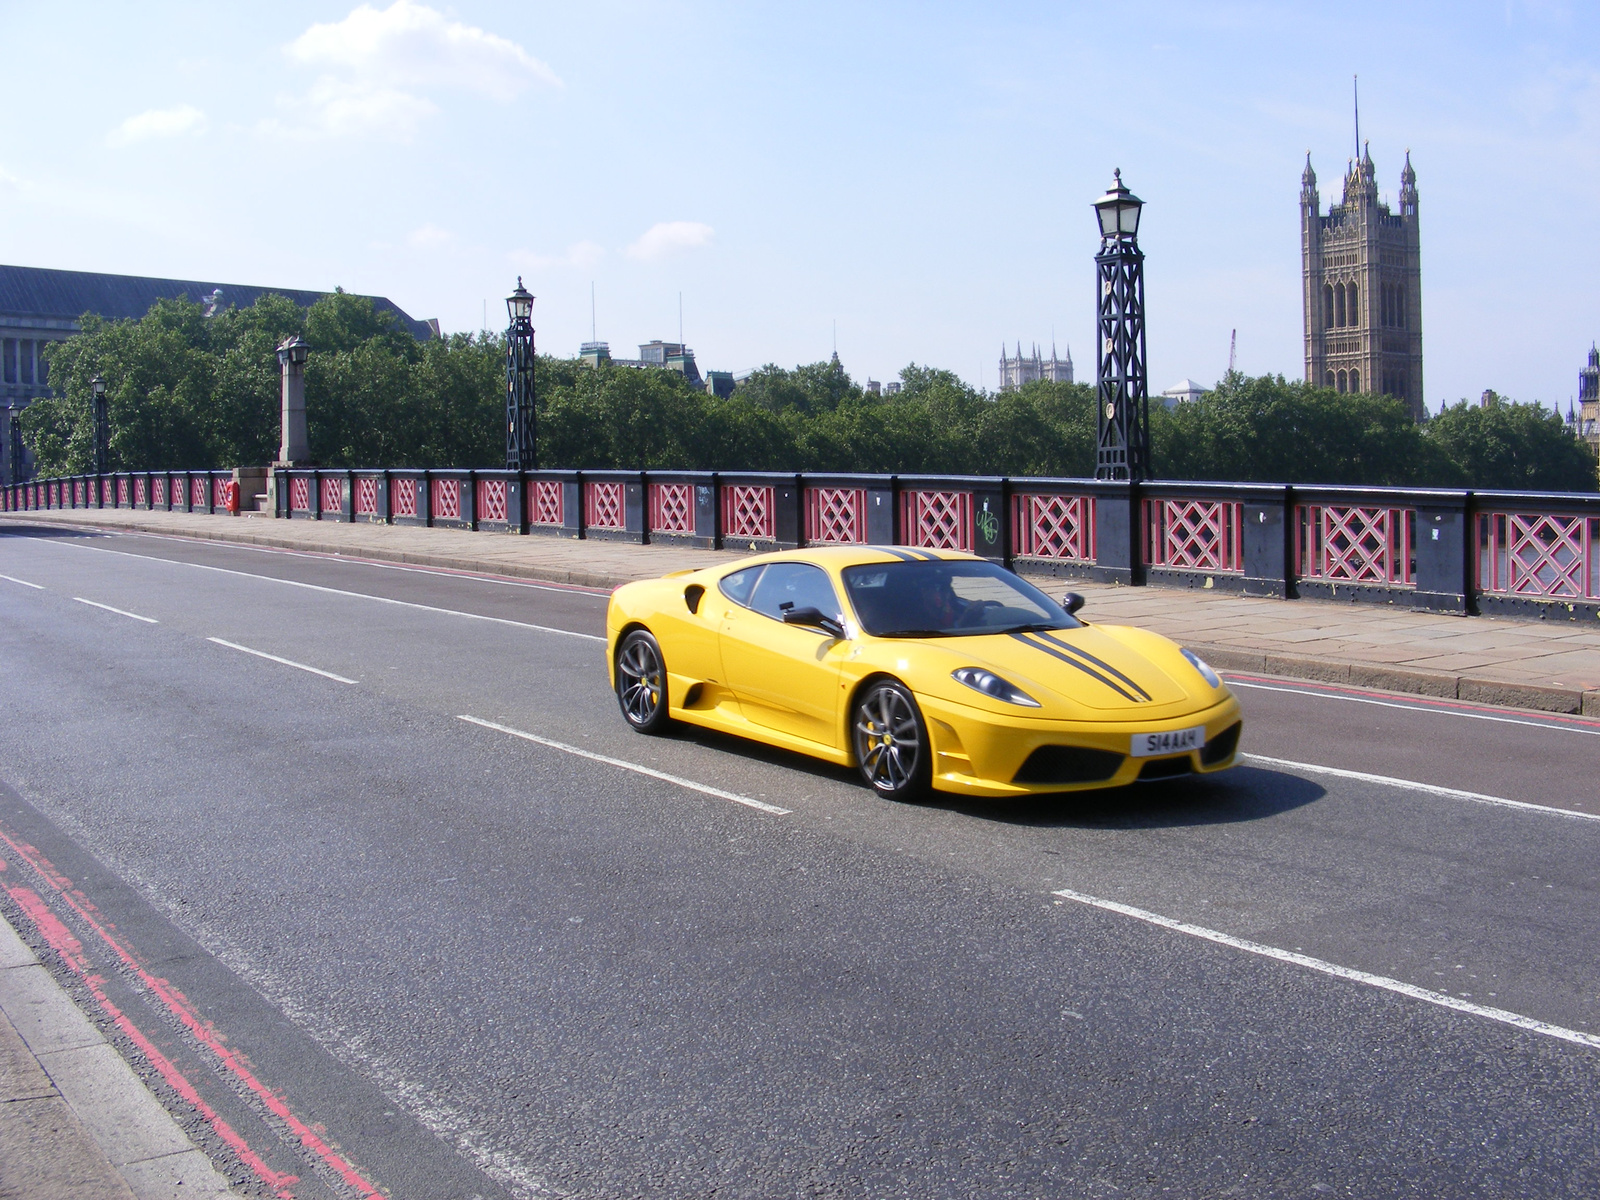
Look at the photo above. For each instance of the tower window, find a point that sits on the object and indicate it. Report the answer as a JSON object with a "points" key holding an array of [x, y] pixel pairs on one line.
{"points": [[1327, 310], [1400, 315], [1354, 308], [1355, 381], [1343, 380], [1338, 308]]}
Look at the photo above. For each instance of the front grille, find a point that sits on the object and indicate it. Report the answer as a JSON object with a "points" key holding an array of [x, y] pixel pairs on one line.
{"points": [[1069, 764], [1220, 747], [1165, 768]]}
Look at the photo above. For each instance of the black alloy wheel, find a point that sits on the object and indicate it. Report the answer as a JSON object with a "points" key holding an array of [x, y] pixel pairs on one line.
{"points": [[642, 682], [891, 742]]}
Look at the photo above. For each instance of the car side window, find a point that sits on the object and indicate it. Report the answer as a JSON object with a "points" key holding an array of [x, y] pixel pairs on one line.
{"points": [[794, 585], [737, 587]]}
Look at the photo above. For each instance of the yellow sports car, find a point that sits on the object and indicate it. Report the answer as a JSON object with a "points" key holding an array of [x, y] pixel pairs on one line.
{"points": [[923, 668]]}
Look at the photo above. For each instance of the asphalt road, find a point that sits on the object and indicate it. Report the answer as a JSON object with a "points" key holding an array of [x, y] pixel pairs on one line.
{"points": [[393, 950]]}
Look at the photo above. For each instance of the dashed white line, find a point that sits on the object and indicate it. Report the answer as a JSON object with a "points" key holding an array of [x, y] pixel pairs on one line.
{"points": [[679, 780], [1505, 1017], [120, 612], [1562, 726], [1430, 788], [315, 587], [288, 662], [13, 579]]}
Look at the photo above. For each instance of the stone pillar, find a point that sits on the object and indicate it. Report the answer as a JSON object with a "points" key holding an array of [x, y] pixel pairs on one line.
{"points": [[295, 449]]}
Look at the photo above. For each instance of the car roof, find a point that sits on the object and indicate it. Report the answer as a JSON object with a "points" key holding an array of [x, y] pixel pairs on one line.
{"points": [[837, 557]]}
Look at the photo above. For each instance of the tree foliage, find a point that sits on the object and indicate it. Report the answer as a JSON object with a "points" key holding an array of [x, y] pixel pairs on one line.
{"points": [[188, 391]]}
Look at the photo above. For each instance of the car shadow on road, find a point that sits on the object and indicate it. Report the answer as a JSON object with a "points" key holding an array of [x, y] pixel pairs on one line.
{"points": [[1242, 794]]}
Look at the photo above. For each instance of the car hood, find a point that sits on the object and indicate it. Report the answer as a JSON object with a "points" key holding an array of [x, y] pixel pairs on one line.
{"points": [[1112, 672]]}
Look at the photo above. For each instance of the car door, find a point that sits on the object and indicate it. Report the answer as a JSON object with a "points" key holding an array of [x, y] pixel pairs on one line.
{"points": [[786, 676]]}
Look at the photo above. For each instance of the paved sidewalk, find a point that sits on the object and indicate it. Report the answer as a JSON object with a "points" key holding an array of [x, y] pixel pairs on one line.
{"points": [[75, 1122], [1548, 665]]}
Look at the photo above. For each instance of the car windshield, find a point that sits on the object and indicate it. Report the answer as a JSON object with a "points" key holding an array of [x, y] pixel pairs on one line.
{"points": [[948, 598]]}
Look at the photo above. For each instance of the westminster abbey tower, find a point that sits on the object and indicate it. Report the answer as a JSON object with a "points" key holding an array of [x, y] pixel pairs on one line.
{"points": [[1361, 278]]}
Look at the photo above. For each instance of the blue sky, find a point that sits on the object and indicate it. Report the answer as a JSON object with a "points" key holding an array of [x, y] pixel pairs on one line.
{"points": [[919, 174]]}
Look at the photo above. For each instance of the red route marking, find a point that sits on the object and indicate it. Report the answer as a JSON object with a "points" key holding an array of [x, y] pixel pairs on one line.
{"points": [[1334, 689], [177, 1004]]}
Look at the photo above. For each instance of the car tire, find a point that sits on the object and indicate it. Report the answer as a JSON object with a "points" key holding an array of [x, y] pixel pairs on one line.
{"points": [[642, 682], [891, 742]]}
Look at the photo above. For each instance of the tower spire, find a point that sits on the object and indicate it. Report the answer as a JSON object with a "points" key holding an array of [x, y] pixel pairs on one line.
{"points": [[1355, 93]]}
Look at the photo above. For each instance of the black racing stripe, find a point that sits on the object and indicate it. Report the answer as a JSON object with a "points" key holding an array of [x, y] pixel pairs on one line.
{"points": [[1104, 666], [1072, 662], [902, 555]]}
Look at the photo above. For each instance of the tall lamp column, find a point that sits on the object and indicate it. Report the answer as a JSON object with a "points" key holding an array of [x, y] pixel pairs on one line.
{"points": [[1122, 449], [15, 422], [522, 445], [102, 426]]}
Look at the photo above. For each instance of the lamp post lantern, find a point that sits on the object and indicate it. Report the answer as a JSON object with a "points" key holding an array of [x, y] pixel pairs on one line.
{"points": [[522, 445], [1122, 449], [102, 425], [14, 411]]}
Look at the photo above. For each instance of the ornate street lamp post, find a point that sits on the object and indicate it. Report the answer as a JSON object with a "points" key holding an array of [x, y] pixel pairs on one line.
{"points": [[15, 412], [1123, 420], [102, 425], [522, 446]]}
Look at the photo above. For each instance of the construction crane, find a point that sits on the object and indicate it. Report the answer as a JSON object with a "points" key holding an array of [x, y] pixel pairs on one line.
{"points": [[1233, 350]]}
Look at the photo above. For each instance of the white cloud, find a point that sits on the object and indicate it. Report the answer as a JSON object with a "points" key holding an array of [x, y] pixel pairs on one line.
{"points": [[158, 123], [665, 237], [378, 64], [429, 237], [581, 255]]}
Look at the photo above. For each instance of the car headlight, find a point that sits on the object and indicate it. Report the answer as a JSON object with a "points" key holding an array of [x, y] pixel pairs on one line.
{"points": [[1200, 664], [993, 686]]}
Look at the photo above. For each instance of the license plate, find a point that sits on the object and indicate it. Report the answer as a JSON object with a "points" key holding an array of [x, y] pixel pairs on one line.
{"points": [[1173, 741]]}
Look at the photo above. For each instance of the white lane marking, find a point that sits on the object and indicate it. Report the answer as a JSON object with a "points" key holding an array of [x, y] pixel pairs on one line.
{"points": [[706, 788], [1531, 1024], [1426, 708], [1430, 788], [288, 662], [118, 611], [316, 587], [23, 582], [357, 560]]}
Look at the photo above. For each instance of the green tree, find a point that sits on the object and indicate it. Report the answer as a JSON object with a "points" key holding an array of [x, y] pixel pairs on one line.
{"points": [[1505, 445]]}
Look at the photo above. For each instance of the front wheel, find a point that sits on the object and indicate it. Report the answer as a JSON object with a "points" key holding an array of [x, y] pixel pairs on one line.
{"points": [[642, 682], [891, 742]]}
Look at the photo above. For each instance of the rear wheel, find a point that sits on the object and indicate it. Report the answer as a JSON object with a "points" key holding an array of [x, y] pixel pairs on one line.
{"points": [[891, 742], [642, 682]]}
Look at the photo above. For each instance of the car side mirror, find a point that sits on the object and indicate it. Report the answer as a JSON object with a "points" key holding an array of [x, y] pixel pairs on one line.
{"points": [[813, 618], [1072, 602]]}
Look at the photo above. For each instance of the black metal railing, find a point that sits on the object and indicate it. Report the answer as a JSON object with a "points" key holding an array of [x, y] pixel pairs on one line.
{"points": [[1535, 553]]}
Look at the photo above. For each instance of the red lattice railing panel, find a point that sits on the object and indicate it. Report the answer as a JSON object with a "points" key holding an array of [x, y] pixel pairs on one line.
{"points": [[445, 500], [491, 504], [937, 520], [1194, 535], [671, 508], [80, 494], [749, 512], [221, 491], [365, 498], [547, 503], [140, 492], [1539, 555], [603, 506], [1355, 543], [122, 491], [402, 497], [836, 516], [158, 491], [177, 489], [330, 494], [1053, 527], [300, 494], [199, 490]]}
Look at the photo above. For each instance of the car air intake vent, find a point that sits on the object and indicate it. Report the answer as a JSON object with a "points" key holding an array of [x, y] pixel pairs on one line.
{"points": [[1219, 748], [1069, 764], [1165, 768]]}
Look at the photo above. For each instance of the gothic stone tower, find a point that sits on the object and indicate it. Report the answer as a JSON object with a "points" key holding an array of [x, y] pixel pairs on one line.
{"points": [[1361, 277]]}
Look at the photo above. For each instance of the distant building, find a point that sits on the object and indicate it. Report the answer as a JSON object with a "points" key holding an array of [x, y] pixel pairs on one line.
{"points": [[1361, 277], [720, 383], [1585, 422], [874, 388], [1184, 389], [39, 306], [1014, 372], [670, 356], [892, 388]]}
